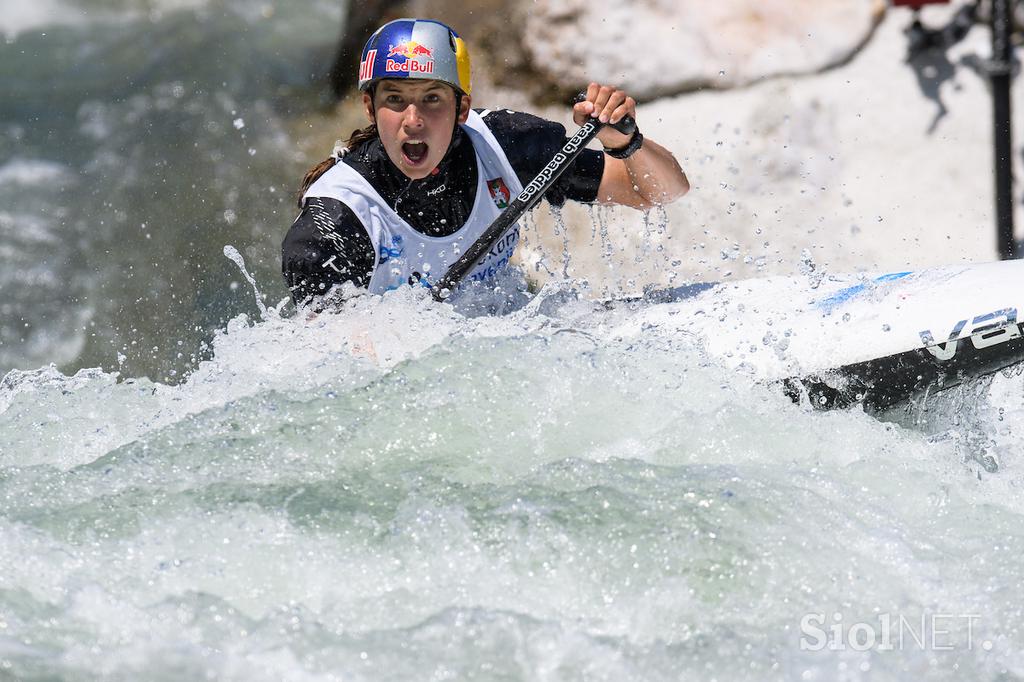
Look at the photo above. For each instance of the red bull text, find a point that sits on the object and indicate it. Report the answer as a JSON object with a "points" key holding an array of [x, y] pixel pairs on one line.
{"points": [[417, 58]]}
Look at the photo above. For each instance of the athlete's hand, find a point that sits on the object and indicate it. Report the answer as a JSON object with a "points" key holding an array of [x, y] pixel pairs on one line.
{"points": [[607, 104]]}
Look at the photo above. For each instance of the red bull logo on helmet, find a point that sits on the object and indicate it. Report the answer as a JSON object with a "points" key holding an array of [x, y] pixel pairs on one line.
{"points": [[416, 58], [410, 49]]}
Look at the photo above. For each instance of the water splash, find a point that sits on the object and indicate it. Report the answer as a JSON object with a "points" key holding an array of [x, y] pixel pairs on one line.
{"points": [[561, 229], [306, 508], [233, 254]]}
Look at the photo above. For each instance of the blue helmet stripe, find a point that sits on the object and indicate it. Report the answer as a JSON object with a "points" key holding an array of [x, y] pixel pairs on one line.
{"points": [[399, 31]]}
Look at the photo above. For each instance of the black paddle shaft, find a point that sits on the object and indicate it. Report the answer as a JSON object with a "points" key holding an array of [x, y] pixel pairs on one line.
{"points": [[526, 200]]}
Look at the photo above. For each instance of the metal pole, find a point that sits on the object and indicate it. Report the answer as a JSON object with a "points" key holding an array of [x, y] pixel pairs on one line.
{"points": [[1001, 71]]}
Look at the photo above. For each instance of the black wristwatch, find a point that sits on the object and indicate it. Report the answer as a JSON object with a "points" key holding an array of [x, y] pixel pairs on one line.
{"points": [[631, 147]]}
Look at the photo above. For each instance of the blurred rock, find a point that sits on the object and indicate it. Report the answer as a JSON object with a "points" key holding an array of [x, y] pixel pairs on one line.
{"points": [[550, 48], [661, 47]]}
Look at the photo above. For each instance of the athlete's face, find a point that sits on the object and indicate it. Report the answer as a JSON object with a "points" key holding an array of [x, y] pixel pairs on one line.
{"points": [[415, 120]]}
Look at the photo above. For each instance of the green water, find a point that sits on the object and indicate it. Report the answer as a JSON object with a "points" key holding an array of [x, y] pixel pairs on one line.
{"points": [[136, 143], [503, 499]]}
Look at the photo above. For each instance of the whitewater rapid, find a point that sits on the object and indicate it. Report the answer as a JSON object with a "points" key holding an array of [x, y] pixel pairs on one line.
{"points": [[206, 486], [397, 491]]}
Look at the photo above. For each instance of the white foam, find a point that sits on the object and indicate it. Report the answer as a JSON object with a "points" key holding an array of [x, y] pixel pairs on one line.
{"points": [[17, 17], [19, 171]]}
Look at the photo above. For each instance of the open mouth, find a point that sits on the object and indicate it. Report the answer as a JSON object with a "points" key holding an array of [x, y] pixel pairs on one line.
{"points": [[414, 152]]}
